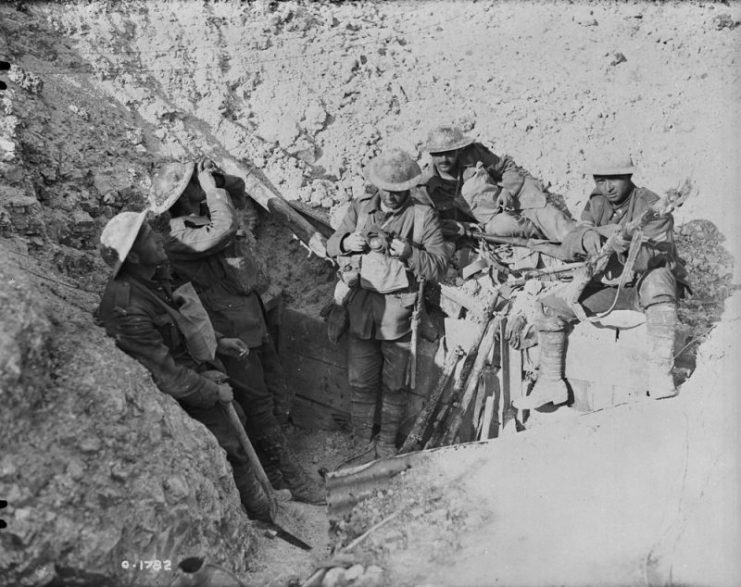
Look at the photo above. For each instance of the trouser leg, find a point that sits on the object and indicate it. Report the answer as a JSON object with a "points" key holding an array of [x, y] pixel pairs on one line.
{"points": [[256, 502], [552, 223], [394, 393], [511, 224], [247, 376], [550, 386], [365, 362], [275, 379]]}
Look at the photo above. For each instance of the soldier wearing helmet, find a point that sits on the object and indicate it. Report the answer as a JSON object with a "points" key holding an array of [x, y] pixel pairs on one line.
{"points": [[655, 280], [468, 183], [391, 240], [206, 246], [168, 331]]}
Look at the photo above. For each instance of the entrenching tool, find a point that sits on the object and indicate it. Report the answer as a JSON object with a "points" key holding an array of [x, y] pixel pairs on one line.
{"points": [[279, 517]]}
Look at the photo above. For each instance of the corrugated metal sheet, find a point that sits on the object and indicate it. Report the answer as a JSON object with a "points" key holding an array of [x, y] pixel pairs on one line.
{"points": [[347, 487]]}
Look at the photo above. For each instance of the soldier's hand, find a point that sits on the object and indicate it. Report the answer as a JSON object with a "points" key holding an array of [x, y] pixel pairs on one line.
{"points": [[354, 242], [233, 347], [621, 243], [225, 393], [592, 242], [205, 174], [400, 248], [452, 228]]}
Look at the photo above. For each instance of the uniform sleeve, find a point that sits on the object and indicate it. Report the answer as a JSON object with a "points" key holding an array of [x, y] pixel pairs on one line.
{"points": [[430, 257], [586, 215], [136, 334], [348, 224], [195, 241], [658, 248], [236, 189]]}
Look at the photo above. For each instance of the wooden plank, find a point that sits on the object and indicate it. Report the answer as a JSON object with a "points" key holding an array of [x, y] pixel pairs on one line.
{"points": [[314, 416], [307, 336]]}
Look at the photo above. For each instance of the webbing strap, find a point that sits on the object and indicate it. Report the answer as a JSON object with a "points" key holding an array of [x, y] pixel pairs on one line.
{"points": [[625, 276]]}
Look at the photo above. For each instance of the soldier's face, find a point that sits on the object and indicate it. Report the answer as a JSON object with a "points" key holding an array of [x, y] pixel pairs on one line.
{"points": [[148, 248], [445, 162], [393, 200], [614, 187]]}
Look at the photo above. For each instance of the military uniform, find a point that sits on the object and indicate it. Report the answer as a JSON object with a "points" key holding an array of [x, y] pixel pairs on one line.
{"points": [[531, 214], [657, 268], [651, 285], [206, 249], [145, 322], [380, 323]]}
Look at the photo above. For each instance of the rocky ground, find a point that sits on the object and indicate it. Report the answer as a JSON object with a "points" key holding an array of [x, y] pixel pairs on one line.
{"points": [[305, 94]]}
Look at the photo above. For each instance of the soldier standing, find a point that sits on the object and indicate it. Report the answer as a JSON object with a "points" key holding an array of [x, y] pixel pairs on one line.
{"points": [[148, 321], [391, 240], [205, 247]]}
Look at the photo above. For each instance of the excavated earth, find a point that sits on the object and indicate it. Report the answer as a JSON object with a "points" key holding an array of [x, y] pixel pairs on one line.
{"points": [[99, 468]]}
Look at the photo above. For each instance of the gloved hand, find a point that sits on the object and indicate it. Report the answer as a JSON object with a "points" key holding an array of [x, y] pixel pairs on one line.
{"points": [[233, 347], [591, 242], [400, 248]]}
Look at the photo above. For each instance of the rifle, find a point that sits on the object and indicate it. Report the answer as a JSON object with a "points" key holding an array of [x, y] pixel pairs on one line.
{"points": [[471, 363], [419, 429], [550, 248], [459, 408], [597, 263], [411, 375], [537, 273]]}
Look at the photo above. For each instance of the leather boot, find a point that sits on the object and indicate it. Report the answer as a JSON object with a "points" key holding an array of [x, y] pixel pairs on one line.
{"points": [[393, 404], [550, 386], [254, 499], [661, 323], [278, 453]]}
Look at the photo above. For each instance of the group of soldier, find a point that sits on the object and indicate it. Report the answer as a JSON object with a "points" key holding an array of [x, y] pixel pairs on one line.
{"points": [[182, 297]]}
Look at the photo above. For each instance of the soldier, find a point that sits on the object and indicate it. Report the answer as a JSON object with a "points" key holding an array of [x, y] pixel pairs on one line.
{"points": [[655, 283], [204, 246], [468, 183], [170, 334], [392, 241]]}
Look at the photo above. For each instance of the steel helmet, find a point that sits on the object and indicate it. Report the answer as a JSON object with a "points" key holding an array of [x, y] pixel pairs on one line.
{"points": [[611, 162], [395, 171], [118, 237], [446, 137], [168, 184]]}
